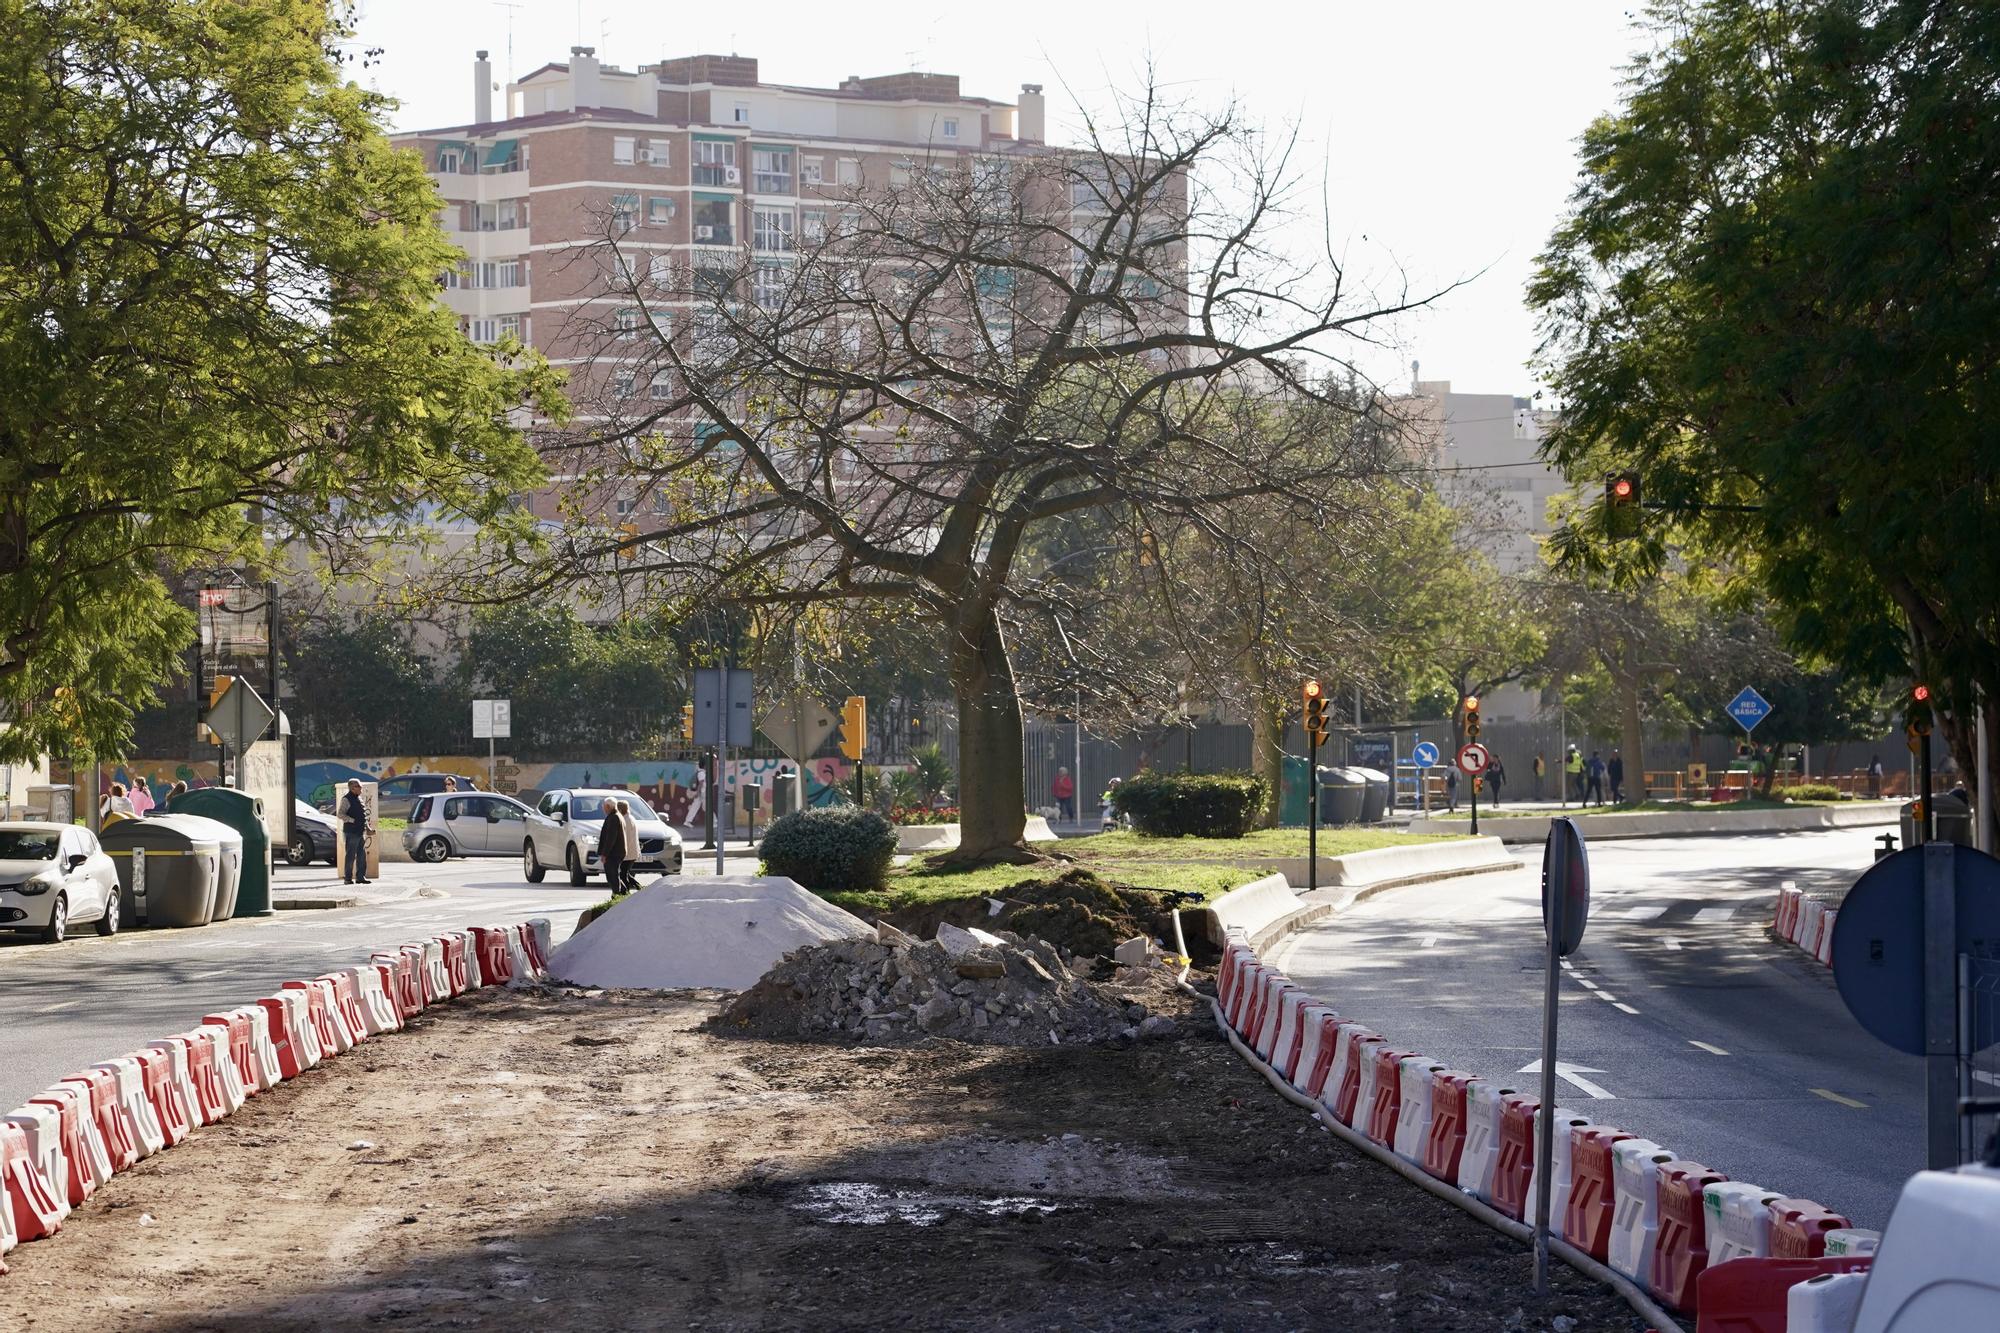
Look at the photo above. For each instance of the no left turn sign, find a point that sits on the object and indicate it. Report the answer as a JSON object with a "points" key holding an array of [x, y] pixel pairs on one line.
{"points": [[1473, 759]]}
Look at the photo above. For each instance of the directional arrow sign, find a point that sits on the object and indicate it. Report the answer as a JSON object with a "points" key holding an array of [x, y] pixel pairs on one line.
{"points": [[1425, 755], [1749, 708], [1569, 1073]]}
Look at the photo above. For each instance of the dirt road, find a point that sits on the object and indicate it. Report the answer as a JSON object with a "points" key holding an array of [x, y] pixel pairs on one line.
{"points": [[569, 1162]]}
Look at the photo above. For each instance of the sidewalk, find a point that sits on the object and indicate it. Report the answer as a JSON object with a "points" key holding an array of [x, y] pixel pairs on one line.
{"points": [[319, 887]]}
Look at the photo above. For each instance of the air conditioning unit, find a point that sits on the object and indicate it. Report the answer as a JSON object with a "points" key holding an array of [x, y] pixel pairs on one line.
{"points": [[732, 176], [704, 233], [646, 157]]}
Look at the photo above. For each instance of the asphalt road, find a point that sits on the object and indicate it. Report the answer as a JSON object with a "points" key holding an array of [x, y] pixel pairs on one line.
{"points": [[90, 999], [1698, 1032]]}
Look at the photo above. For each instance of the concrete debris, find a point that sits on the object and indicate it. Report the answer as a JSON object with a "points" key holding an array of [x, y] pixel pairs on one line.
{"points": [[1135, 952], [965, 985]]}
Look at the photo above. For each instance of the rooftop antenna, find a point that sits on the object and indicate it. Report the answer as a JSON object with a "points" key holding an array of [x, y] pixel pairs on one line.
{"points": [[511, 6]]}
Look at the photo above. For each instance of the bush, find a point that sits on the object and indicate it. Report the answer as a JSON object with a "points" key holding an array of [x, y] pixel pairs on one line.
{"points": [[836, 850], [906, 816], [1811, 791], [1192, 805]]}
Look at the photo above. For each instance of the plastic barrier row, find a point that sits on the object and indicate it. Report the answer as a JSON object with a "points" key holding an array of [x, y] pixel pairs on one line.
{"points": [[1806, 922], [1676, 1228], [56, 1151]]}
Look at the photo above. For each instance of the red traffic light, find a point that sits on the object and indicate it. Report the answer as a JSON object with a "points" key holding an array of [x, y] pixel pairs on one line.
{"points": [[1920, 693], [1471, 704], [1622, 488], [1312, 689]]}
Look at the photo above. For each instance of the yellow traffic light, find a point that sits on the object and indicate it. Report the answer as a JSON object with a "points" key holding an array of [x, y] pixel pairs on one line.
{"points": [[854, 727], [1471, 717], [1314, 695]]}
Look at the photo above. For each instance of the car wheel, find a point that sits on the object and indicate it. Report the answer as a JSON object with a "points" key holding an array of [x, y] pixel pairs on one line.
{"points": [[578, 876], [433, 849], [108, 923], [58, 926], [300, 853], [531, 865]]}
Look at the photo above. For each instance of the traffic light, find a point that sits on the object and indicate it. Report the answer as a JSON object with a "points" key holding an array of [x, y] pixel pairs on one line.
{"points": [[1621, 504], [1919, 711], [687, 723], [1315, 711], [1471, 718], [854, 727]]}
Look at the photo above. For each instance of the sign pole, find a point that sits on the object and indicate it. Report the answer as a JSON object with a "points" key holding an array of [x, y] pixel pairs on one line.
{"points": [[1475, 804], [1941, 1035], [1545, 1114], [1927, 815], [1312, 811], [492, 780], [714, 795]]}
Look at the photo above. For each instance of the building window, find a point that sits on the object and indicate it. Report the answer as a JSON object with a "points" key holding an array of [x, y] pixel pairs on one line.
{"points": [[714, 163], [449, 160], [659, 210], [625, 504], [482, 330], [771, 170], [741, 113], [454, 277], [767, 285], [661, 271], [812, 225], [848, 171], [503, 216], [513, 326], [713, 222], [622, 150], [812, 170], [624, 210], [899, 173], [657, 152], [771, 230], [713, 281], [661, 504], [509, 274], [951, 127], [624, 384], [626, 322], [661, 389]]}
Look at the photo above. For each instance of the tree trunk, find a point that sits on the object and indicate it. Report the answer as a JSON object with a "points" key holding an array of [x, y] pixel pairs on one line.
{"points": [[992, 792], [1267, 753]]}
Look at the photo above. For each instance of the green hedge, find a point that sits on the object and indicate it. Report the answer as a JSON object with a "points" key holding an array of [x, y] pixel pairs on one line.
{"points": [[1192, 805], [835, 850], [1811, 791]]}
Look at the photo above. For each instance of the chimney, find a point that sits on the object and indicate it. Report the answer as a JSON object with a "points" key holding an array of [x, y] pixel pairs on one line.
{"points": [[585, 89], [482, 90], [1032, 114]]}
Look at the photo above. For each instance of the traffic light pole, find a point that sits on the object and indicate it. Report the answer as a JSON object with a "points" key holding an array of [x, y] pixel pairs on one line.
{"points": [[1313, 739], [1927, 813], [714, 813], [1475, 805]]}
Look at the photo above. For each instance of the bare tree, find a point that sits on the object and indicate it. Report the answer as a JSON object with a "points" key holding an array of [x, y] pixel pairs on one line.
{"points": [[899, 401]]}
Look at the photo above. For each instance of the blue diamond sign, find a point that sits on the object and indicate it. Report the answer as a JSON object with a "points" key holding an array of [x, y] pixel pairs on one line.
{"points": [[1749, 708]]}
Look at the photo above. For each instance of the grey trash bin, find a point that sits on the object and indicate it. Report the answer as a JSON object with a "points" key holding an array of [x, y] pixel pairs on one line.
{"points": [[1375, 800], [1954, 820], [182, 857], [1343, 795]]}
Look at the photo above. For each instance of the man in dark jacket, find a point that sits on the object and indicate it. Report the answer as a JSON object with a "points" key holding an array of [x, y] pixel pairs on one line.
{"points": [[611, 846], [1614, 768], [354, 833]]}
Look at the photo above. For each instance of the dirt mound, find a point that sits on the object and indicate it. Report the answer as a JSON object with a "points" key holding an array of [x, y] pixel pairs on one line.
{"points": [[1077, 911], [965, 985]]}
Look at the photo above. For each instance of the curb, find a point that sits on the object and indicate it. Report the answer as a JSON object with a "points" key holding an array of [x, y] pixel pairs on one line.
{"points": [[1669, 824]]}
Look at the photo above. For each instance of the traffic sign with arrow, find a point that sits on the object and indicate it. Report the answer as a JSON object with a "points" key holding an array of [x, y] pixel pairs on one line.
{"points": [[1473, 759]]}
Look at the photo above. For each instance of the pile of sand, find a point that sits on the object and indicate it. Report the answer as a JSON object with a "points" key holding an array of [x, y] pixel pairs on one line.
{"points": [[681, 933]]}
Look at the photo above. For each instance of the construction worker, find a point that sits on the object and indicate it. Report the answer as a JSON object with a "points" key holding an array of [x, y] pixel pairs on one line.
{"points": [[1573, 771]]}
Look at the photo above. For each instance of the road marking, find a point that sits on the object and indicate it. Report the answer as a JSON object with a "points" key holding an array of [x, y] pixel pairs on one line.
{"points": [[58, 1008], [205, 976], [1836, 1097], [1647, 912], [1715, 914], [1568, 1073], [1427, 941], [1712, 1050], [1626, 1007], [1788, 884], [1673, 944], [1585, 982]]}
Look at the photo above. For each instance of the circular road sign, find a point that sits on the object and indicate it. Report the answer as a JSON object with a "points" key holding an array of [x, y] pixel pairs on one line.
{"points": [[1425, 754], [1565, 886], [1473, 759], [1878, 938]]}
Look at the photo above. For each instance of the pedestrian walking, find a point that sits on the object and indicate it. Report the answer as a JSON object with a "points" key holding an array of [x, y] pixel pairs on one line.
{"points": [[1614, 768], [631, 825], [175, 792], [116, 802], [1875, 778], [1496, 777], [1451, 788], [1064, 790], [611, 845], [1573, 773], [354, 833], [1541, 769], [1594, 779]]}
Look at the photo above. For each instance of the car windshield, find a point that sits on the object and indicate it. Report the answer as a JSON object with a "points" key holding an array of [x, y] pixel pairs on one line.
{"points": [[28, 844], [591, 808]]}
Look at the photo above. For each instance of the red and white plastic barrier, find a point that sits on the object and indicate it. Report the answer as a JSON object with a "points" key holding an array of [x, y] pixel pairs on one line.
{"points": [[1635, 1206], [1807, 923], [141, 1120], [1482, 1138], [1444, 1142], [1418, 1075], [1739, 1220]]}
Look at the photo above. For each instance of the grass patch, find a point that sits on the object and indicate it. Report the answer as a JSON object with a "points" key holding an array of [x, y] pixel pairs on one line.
{"points": [[1200, 866], [391, 824]]}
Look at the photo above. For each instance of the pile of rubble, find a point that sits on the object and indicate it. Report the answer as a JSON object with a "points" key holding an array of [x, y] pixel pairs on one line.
{"points": [[967, 985]]}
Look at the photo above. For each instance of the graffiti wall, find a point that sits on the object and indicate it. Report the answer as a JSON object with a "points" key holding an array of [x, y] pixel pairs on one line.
{"points": [[677, 788], [149, 780]]}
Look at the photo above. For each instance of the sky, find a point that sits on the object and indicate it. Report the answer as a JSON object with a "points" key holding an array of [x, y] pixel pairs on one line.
{"points": [[1438, 137]]}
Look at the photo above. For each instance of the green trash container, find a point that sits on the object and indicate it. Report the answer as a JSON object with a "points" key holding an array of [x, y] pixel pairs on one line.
{"points": [[1292, 798], [244, 813]]}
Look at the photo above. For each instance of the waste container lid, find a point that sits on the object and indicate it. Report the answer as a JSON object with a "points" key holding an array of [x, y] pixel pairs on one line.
{"points": [[200, 828], [167, 832], [1343, 777], [1371, 774], [1946, 804]]}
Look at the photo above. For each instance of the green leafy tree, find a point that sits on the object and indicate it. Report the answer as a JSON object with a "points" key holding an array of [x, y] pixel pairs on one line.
{"points": [[577, 689], [359, 687], [219, 334], [1774, 298]]}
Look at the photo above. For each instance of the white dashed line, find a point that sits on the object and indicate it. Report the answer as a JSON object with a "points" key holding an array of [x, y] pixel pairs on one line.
{"points": [[1427, 941], [1673, 944], [1648, 912], [1626, 1007], [1712, 1050], [1715, 914]]}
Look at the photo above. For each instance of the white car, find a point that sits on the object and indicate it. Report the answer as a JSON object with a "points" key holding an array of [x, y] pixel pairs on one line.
{"points": [[465, 824], [564, 828], [52, 876]]}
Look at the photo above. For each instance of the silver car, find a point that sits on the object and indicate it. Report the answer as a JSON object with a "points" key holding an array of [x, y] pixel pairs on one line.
{"points": [[53, 875], [465, 824], [564, 828]]}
